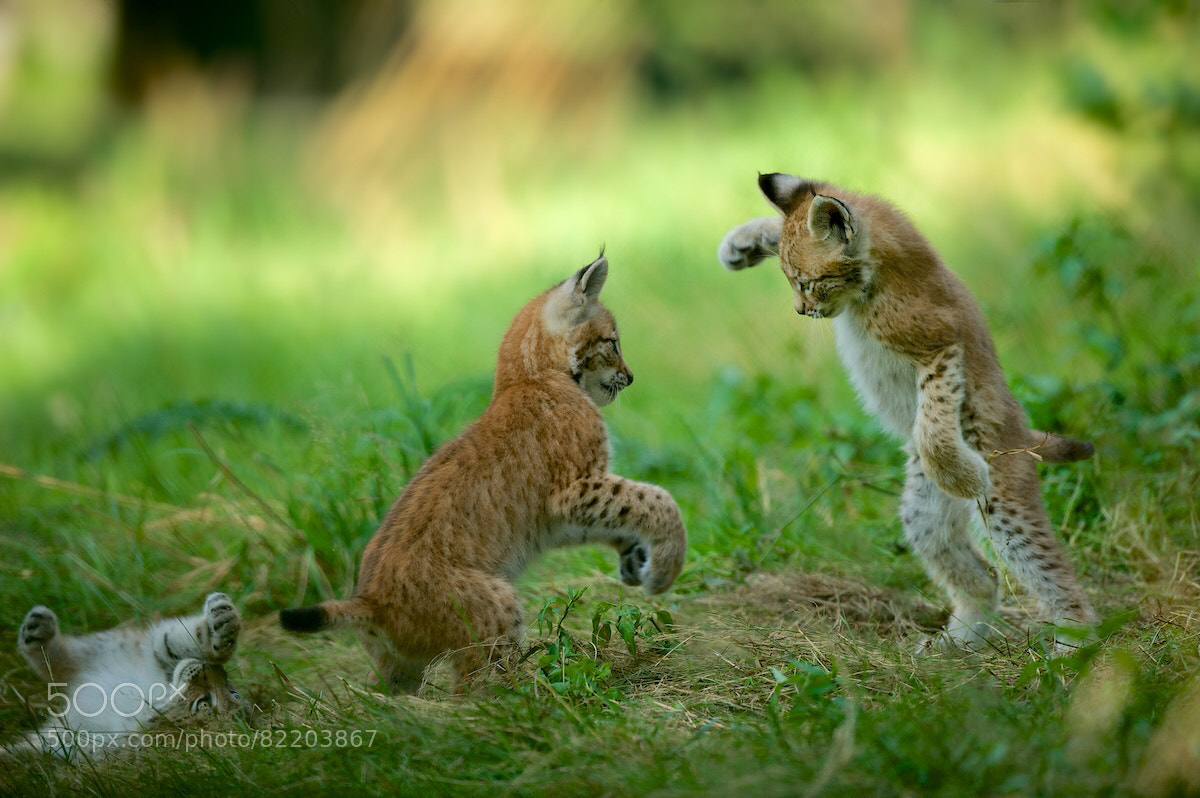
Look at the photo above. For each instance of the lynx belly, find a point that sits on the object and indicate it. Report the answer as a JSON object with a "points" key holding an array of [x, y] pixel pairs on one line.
{"points": [[886, 383]]}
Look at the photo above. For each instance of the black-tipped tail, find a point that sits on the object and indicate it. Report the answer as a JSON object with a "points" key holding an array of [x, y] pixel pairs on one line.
{"points": [[304, 619]]}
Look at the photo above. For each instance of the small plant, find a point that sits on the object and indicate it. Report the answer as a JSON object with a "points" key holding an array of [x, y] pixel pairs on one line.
{"points": [[630, 623], [562, 664], [1051, 670], [805, 690], [573, 668]]}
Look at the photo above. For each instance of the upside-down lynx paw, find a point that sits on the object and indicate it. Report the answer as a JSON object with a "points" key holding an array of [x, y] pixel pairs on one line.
{"points": [[39, 627], [749, 243], [633, 563], [224, 625]]}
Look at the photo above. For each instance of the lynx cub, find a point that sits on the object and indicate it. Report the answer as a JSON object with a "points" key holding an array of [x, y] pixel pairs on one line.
{"points": [[115, 683], [530, 474], [920, 355]]}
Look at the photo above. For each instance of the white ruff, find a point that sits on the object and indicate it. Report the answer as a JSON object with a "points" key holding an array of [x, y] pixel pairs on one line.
{"points": [[886, 383]]}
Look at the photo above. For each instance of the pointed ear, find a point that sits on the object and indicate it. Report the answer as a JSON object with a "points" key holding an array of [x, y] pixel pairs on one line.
{"points": [[830, 218], [573, 301], [587, 282], [784, 191]]}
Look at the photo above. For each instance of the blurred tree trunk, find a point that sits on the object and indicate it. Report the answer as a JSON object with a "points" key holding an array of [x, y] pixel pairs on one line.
{"points": [[314, 47]]}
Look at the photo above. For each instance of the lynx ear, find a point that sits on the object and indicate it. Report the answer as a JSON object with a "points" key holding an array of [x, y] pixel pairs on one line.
{"points": [[587, 282], [784, 191], [576, 297], [830, 217]]}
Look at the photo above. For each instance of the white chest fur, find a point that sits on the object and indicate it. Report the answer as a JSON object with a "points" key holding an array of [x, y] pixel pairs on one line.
{"points": [[886, 383]]}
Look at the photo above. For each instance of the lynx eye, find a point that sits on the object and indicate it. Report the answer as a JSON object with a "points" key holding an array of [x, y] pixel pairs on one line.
{"points": [[203, 702]]}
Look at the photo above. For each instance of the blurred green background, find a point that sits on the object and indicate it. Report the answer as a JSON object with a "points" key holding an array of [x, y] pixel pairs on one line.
{"points": [[256, 259], [259, 201]]}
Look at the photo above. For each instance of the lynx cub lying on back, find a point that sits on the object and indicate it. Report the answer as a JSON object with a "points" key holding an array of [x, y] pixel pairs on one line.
{"points": [[530, 474], [919, 353], [116, 683]]}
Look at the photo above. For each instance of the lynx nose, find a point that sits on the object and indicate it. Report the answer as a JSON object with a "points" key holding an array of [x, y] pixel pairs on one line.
{"points": [[628, 376]]}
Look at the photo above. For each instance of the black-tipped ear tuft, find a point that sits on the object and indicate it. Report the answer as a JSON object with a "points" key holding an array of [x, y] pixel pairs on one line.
{"points": [[589, 280], [785, 192]]}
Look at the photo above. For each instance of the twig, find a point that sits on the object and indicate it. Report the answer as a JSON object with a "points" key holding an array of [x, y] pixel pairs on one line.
{"points": [[1029, 450]]}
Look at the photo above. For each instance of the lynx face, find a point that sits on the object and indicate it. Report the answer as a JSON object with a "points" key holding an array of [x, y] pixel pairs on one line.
{"points": [[206, 688], [819, 256], [824, 294], [595, 357], [822, 248]]}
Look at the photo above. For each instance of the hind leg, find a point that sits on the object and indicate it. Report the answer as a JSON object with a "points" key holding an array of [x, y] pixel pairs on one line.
{"points": [[472, 614], [1021, 532], [395, 671], [487, 625], [936, 526]]}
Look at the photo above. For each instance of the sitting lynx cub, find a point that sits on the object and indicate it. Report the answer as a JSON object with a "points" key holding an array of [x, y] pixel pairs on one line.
{"points": [[116, 683], [530, 474], [919, 353]]}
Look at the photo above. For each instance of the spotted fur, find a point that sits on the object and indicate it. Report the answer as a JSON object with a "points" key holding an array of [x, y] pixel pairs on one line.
{"points": [[529, 475], [919, 353], [119, 682]]}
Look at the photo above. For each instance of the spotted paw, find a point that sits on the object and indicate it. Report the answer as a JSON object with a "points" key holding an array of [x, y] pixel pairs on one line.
{"points": [[633, 562], [224, 625], [39, 628]]}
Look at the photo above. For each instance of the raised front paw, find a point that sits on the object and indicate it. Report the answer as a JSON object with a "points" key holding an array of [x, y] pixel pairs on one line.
{"points": [[224, 625], [38, 629], [633, 562], [749, 243]]}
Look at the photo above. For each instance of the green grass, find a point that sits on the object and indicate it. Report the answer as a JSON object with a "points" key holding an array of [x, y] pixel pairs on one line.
{"points": [[217, 374]]}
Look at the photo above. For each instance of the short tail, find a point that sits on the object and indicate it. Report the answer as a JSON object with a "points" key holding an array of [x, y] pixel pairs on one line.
{"points": [[332, 614], [1053, 448]]}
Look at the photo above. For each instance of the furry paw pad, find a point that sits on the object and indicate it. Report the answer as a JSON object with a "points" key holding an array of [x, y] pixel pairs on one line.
{"points": [[747, 244], [39, 628], [224, 625], [633, 563]]}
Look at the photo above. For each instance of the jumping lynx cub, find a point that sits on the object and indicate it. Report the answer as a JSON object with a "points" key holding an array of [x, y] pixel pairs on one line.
{"points": [[116, 683], [919, 354], [530, 474]]}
